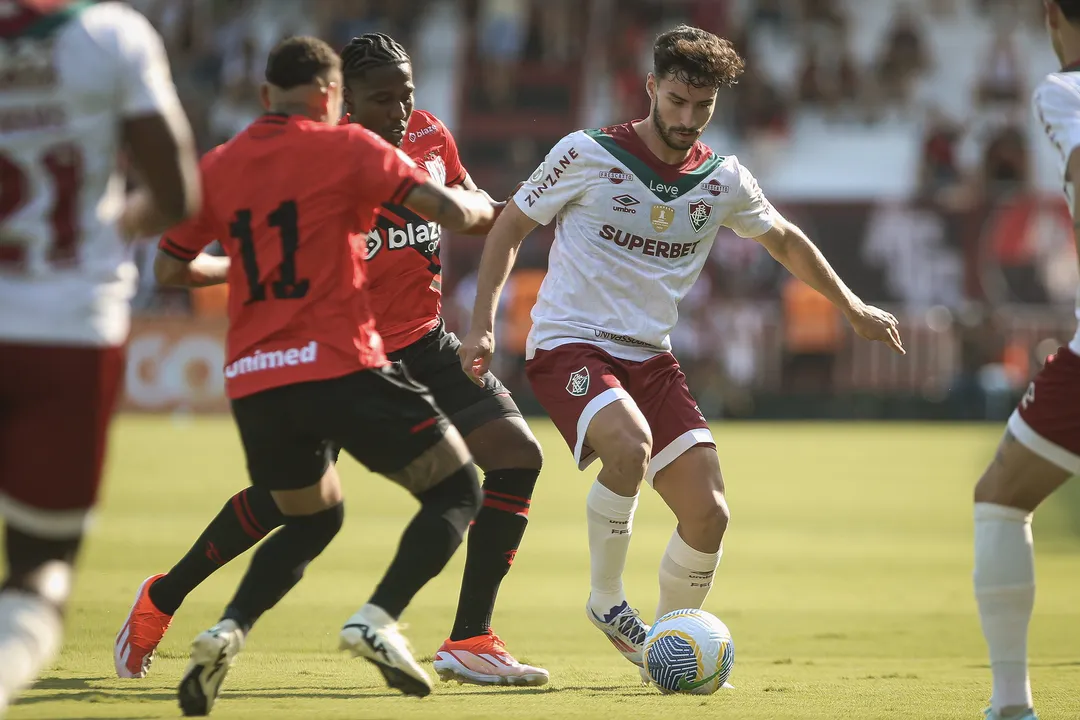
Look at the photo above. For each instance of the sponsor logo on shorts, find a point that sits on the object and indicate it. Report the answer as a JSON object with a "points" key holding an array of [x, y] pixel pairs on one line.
{"points": [[700, 212], [414, 136], [260, 361], [616, 176], [1029, 397], [625, 204], [662, 217], [714, 188], [578, 384]]}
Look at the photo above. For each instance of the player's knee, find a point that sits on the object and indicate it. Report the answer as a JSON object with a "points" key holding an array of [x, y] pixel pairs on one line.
{"points": [[705, 522], [506, 443], [40, 566], [457, 498], [634, 450]]}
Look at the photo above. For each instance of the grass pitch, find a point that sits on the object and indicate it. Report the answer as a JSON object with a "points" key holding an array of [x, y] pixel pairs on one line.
{"points": [[846, 582]]}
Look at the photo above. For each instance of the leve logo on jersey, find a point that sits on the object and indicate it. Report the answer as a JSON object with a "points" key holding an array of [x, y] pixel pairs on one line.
{"points": [[700, 212], [662, 217], [663, 189]]}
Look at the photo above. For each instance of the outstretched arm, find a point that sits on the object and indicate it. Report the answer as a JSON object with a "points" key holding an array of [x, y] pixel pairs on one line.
{"points": [[792, 249], [500, 252]]}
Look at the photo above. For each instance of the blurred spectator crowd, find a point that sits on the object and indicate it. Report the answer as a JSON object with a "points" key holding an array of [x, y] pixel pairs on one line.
{"points": [[936, 90]]}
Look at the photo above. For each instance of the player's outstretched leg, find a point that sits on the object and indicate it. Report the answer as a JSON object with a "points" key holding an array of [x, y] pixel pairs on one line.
{"points": [[313, 516], [620, 436], [445, 482], [1016, 482], [244, 520], [511, 459]]}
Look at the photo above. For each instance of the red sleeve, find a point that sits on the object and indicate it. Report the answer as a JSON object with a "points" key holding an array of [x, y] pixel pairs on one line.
{"points": [[455, 171], [187, 239], [384, 173]]}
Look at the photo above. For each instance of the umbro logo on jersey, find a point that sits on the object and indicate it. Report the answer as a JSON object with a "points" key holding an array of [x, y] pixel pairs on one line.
{"points": [[616, 176], [700, 212], [714, 188], [625, 204]]}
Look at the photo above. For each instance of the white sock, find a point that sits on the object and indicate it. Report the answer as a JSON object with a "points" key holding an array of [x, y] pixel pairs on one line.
{"points": [[611, 520], [686, 576], [30, 629], [1005, 592]]}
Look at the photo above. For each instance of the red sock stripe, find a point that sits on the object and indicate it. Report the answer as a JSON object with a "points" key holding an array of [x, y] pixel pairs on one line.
{"points": [[251, 516], [504, 496], [245, 523], [506, 507]]}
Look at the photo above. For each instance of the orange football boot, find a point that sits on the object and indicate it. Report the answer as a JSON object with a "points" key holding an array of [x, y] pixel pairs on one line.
{"points": [[483, 660], [140, 634]]}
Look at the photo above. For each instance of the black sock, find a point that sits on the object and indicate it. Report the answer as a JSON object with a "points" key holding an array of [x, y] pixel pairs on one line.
{"points": [[280, 563], [493, 543], [430, 540], [245, 520]]}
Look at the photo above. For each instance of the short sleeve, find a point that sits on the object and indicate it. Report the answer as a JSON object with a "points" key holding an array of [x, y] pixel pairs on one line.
{"points": [[559, 181], [384, 173], [186, 240], [1057, 109], [455, 171], [751, 215]]}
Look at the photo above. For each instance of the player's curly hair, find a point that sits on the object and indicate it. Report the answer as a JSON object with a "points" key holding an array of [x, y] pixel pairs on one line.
{"points": [[299, 61], [369, 51], [696, 57]]}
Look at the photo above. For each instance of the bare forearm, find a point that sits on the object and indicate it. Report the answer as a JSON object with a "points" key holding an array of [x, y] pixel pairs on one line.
{"points": [[804, 260], [204, 271]]}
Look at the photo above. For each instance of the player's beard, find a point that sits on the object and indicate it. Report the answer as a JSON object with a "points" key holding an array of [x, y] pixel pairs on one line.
{"points": [[667, 134]]}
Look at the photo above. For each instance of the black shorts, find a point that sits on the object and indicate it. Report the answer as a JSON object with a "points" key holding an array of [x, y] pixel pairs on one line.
{"points": [[433, 362], [291, 433]]}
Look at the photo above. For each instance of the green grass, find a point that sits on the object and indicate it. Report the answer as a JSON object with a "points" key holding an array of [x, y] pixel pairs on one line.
{"points": [[846, 583]]}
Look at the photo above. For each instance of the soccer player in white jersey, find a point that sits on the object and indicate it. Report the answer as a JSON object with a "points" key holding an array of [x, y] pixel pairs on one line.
{"points": [[79, 82], [637, 207], [1041, 446]]}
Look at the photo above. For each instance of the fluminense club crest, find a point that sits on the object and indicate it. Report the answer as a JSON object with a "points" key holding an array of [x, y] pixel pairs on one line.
{"points": [[700, 212], [578, 384]]}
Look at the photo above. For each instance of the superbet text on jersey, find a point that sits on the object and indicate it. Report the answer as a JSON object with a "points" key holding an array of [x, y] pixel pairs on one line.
{"points": [[633, 235], [404, 268], [67, 81]]}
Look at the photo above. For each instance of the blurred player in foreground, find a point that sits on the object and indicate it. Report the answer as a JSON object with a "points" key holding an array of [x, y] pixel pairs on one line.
{"points": [[404, 285], [1041, 446], [638, 206], [306, 370], [79, 83]]}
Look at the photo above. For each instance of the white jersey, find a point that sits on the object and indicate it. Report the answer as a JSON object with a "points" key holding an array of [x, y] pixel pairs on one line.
{"points": [[66, 84], [632, 235], [1057, 109]]}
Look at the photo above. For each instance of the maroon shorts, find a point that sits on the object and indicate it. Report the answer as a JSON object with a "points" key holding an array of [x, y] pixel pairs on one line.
{"points": [[574, 382], [55, 406], [1047, 421]]}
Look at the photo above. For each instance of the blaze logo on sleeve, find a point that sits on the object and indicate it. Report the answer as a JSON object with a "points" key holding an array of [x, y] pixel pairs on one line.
{"points": [[662, 217], [700, 212], [578, 384]]}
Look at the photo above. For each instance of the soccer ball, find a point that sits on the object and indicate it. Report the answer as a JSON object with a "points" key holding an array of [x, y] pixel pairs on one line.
{"points": [[689, 651]]}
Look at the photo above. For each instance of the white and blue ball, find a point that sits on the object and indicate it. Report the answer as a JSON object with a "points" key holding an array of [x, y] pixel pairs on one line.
{"points": [[689, 651]]}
